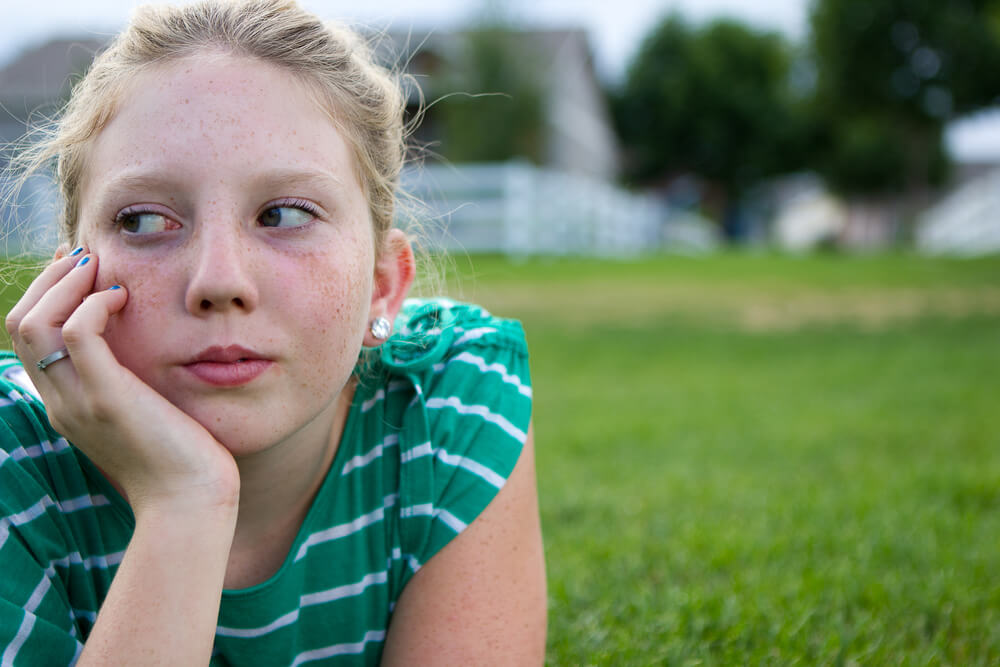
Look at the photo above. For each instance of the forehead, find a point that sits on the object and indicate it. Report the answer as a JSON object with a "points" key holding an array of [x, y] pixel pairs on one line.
{"points": [[218, 114]]}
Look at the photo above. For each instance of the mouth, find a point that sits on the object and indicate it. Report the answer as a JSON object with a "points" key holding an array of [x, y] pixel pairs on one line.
{"points": [[230, 354], [229, 366]]}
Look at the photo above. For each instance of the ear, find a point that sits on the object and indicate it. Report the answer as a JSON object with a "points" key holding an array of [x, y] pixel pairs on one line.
{"points": [[395, 269]]}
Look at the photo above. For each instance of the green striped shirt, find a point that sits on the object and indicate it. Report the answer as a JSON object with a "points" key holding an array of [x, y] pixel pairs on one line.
{"points": [[438, 421]]}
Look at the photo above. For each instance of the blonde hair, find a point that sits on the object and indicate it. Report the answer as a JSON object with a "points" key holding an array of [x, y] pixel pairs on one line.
{"points": [[364, 99]]}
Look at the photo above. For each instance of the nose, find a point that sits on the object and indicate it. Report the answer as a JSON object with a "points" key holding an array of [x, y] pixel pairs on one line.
{"points": [[222, 275]]}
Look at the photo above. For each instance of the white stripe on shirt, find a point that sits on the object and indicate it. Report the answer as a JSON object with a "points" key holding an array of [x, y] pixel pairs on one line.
{"points": [[23, 517], [480, 411], [454, 460], [362, 460], [344, 529], [23, 632], [473, 467], [427, 509], [345, 591], [44, 447], [336, 593], [83, 502], [339, 649], [495, 367], [471, 334], [38, 509], [394, 385], [88, 563]]}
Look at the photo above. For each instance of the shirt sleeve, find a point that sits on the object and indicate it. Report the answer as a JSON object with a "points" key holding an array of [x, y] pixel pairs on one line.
{"points": [[37, 625], [475, 402]]}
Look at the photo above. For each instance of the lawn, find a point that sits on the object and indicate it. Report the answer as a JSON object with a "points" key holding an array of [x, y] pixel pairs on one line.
{"points": [[753, 459], [764, 460]]}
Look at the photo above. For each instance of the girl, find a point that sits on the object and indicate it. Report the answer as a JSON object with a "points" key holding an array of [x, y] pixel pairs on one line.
{"points": [[237, 441]]}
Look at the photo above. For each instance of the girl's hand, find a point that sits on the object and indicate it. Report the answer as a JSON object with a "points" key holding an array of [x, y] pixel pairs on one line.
{"points": [[160, 457]]}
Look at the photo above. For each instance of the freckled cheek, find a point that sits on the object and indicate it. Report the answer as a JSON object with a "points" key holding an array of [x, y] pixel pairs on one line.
{"points": [[332, 313], [132, 330]]}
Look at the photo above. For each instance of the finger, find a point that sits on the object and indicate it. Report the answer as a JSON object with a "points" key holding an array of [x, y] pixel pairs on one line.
{"points": [[83, 334], [51, 275], [58, 302], [39, 332]]}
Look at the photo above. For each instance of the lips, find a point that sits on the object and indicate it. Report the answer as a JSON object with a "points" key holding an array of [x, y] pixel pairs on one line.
{"points": [[229, 366]]}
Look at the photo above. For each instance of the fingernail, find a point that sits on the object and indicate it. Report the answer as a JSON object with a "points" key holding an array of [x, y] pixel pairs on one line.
{"points": [[83, 261], [114, 287], [76, 252]]}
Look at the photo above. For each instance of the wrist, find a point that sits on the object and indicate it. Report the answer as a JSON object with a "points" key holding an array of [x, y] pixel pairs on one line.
{"points": [[215, 504]]}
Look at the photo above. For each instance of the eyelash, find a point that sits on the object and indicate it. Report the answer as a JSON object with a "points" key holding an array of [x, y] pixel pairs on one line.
{"points": [[302, 204], [130, 211]]}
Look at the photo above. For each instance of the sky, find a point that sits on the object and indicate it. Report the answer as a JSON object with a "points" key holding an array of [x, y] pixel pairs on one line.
{"points": [[616, 27]]}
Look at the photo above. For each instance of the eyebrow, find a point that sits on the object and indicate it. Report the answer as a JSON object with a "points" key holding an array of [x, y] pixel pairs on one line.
{"points": [[281, 177], [159, 182], [293, 177]]}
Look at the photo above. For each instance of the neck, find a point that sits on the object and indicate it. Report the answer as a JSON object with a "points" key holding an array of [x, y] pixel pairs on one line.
{"points": [[277, 488]]}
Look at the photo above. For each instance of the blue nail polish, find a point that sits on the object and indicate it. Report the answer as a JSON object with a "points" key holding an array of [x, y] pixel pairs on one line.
{"points": [[114, 287], [83, 261], [76, 252]]}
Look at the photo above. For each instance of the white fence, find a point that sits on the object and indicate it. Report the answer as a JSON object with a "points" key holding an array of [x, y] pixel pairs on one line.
{"points": [[520, 209]]}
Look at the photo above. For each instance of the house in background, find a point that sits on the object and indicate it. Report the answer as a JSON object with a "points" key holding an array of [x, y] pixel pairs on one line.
{"points": [[963, 218], [567, 202], [39, 79], [32, 86], [578, 136], [967, 220]]}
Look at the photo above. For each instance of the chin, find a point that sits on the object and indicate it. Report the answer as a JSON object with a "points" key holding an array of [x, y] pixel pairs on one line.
{"points": [[239, 440], [242, 434]]}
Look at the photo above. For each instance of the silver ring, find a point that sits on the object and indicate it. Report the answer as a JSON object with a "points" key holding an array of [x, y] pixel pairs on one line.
{"points": [[50, 359]]}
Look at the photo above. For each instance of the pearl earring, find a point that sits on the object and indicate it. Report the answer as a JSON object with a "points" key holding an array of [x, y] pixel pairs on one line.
{"points": [[381, 328]]}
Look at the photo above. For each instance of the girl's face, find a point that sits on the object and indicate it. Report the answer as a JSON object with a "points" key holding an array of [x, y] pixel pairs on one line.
{"points": [[226, 202]]}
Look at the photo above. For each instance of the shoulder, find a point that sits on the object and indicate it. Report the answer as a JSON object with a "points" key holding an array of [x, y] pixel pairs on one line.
{"points": [[35, 460], [24, 426], [468, 511], [469, 366], [464, 391], [37, 544], [435, 331]]}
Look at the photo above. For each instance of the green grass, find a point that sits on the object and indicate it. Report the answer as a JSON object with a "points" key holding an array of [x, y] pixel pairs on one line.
{"points": [[753, 459], [820, 486]]}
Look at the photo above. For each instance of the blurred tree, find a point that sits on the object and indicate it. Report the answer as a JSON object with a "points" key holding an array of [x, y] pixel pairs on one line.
{"points": [[715, 101], [496, 112], [890, 75]]}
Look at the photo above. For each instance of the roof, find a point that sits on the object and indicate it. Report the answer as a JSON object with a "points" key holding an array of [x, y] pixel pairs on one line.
{"points": [[44, 74]]}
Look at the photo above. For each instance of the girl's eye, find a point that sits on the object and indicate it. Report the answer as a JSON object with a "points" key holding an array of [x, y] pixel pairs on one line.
{"points": [[285, 216], [144, 222]]}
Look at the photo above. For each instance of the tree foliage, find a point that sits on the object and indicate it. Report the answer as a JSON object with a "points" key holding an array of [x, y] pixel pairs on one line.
{"points": [[722, 101], [714, 101], [890, 74], [493, 109]]}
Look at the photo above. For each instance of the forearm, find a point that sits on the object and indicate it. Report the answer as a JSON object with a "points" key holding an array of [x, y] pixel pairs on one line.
{"points": [[163, 604]]}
